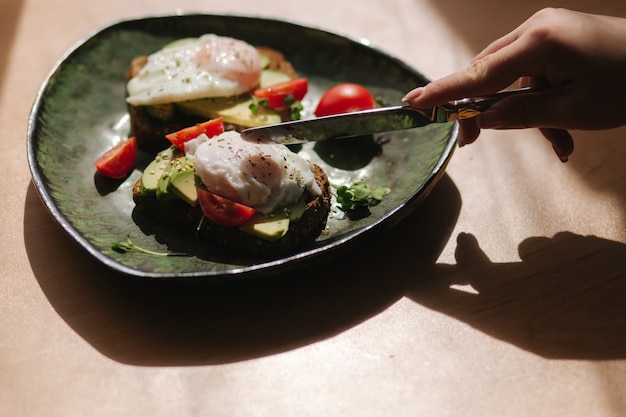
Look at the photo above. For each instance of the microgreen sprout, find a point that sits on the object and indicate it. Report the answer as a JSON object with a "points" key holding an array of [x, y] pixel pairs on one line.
{"points": [[128, 245], [257, 104], [295, 107], [359, 195]]}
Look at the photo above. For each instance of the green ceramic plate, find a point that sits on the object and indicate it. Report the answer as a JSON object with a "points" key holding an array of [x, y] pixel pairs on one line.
{"points": [[80, 112]]}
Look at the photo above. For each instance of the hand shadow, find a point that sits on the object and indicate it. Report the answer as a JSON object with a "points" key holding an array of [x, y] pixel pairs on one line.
{"points": [[193, 322], [558, 302]]}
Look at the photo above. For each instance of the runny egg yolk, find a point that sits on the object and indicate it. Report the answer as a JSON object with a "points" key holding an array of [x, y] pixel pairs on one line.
{"points": [[208, 66], [264, 177]]}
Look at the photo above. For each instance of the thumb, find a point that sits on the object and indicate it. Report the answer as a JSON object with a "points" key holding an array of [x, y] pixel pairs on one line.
{"points": [[452, 87]]}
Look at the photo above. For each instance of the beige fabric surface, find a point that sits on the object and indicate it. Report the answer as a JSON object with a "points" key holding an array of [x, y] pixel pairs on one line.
{"points": [[522, 312]]}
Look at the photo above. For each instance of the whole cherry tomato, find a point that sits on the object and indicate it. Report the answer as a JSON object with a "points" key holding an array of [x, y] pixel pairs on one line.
{"points": [[345, 98]]}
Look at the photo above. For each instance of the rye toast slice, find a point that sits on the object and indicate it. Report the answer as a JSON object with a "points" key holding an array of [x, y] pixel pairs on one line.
{"points": [[189, 219], [150, 124]]}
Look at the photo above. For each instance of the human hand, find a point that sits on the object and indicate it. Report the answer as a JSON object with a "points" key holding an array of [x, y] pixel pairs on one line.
{"points": [[578, 62]]}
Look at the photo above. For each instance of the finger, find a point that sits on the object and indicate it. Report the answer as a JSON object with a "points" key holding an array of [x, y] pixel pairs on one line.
{"points": [[468, 131], [468, 252], [486, 74], [476, 70], [510, 37], [535, 82], [500, 43], [469, 82], [561, 140]]}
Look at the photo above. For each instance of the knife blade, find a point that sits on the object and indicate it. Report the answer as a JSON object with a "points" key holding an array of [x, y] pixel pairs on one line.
{"points": [[377, 120]]}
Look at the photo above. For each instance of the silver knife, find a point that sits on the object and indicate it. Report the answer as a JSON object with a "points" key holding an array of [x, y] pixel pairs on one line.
{"points": [[377, 120]]}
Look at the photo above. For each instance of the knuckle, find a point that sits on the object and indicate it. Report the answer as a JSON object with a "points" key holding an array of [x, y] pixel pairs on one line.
{"points": [[548, 27], [477, 71], [540, 35]]}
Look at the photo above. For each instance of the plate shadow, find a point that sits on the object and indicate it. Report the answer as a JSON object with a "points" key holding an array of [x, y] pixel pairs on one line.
{"points": [[195, 322]]}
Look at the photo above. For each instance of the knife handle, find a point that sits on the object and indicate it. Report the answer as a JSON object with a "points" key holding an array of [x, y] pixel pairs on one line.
{"points": [[471, 107]]}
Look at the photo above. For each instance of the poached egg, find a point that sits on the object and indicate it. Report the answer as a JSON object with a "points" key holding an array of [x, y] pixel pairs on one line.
{"points": [[192, 68], [260, 176]]}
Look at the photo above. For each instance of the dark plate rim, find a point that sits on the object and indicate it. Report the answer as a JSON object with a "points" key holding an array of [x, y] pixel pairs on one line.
{"points": [[271, 267]]}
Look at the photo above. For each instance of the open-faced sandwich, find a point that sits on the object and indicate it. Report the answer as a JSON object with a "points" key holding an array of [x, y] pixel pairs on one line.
{"points": [[256, 199], [194, 95], [194, 79]]}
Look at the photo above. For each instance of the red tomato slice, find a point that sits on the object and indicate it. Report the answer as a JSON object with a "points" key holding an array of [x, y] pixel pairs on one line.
{"points": [[223, 211], [345, 98], [118, 161], [276, 94], [210, 128]]}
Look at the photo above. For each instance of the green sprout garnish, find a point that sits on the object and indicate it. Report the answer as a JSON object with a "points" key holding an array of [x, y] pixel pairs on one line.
{"points": [[128, 245], [295, 107], [359, 195], [257, 104]]}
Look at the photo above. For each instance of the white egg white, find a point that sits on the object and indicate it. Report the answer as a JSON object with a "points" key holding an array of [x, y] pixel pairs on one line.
{"points": [[260, 176], [208, 66]]}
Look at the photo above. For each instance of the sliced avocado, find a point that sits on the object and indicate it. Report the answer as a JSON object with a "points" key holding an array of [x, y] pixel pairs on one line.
{"points": [[264, 60], [162, 189], [234, 110], [267, 227], [296, 210], [273, 227], [174, 167], [183, 184], [154, 170], [241, 114], [271, 77]]}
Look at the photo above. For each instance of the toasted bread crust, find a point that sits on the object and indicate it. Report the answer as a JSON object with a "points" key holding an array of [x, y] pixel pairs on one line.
{"points": [[278, 61], [178, 214], [150, 132]]}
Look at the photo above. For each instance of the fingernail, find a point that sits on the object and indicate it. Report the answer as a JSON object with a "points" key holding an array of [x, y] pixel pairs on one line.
{"points": [[413, 94], [490, 119]]}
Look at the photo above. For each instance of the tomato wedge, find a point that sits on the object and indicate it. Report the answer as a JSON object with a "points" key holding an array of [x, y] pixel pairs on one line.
{"points": [[118, 161], [277, 93], [345, 98], [223, 211], [210, 128]]}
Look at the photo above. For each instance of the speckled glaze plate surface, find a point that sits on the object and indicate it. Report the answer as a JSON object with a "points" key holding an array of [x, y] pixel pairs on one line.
{"points": [[80, 112]]}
